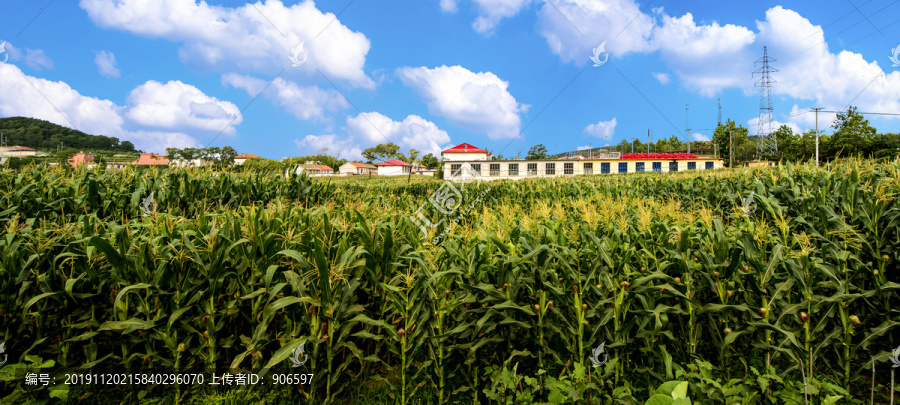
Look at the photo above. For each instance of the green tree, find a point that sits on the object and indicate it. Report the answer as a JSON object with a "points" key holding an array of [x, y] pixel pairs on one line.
{"points": [[721, 139], [430, 161], [537, 152], [852, 134], [381, 152], [413, 154]]}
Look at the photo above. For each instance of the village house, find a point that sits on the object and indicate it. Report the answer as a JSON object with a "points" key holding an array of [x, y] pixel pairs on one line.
{"points": [[394, 167], [354, 168]]}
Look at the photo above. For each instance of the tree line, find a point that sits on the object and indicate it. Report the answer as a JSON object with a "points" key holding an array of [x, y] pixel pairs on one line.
{"points": [[47, 136]]}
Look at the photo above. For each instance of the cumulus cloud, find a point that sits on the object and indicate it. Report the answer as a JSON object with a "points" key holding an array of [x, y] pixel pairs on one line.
{"points": [[372, 128], [707, 58], [179, 105], [573, 28], [663, 78], [255, 38], [106, 64], [305, 103], [492, 11], [696, 136], [602, 129], [59, 103], [478, 102], [711, 57]]}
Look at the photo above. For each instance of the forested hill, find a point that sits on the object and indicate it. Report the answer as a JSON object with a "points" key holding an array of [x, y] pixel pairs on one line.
{"points": [[43, 135]]}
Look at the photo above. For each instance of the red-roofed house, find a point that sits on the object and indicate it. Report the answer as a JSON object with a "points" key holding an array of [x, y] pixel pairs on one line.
{"points": [[151, 159], [240, 159], [465, 152], [357, 168], [81, 158], [394, 167]]}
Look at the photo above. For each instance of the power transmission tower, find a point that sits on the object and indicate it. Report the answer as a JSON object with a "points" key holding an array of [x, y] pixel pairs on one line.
{"points": [[720, 111], [766, 143]]}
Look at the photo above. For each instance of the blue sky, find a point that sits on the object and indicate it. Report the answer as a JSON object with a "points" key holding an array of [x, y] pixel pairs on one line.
{"points": [[499, 74]]}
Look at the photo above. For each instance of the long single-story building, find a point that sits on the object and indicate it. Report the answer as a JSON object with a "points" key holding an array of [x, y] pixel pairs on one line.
{"points": [[456, 168], [394, 167]]}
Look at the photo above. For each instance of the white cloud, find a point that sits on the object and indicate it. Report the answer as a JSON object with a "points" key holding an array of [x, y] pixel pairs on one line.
{"points": [[478, 102], [106, 64], [448, 6], [573, 28], [369, 129], [254, 38], [663, 78], [37, 59], [754, 129], [707, 58], [583, 147], [305, 103], [492, 11], [696, 136], [602, 129], [343, 148], [179, 105], [59, 103]]}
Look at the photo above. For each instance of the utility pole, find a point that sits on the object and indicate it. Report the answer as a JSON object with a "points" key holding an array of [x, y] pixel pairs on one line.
{"points": [[648, 141], [731, 149], [687, 130], [817, 134]]}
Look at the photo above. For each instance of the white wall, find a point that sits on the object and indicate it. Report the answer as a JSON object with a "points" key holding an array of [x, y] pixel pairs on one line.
{"points": [[392, 171]]}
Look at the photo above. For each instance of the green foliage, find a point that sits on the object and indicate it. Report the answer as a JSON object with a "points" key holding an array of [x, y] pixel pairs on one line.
{"points": [[235, 269], [47, 136], [382, 152], [536, 152], [727, 134], [430, 161]]}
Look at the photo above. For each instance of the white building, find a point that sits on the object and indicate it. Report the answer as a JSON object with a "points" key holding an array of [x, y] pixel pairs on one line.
{"points": [[394, 167], [240, 159], [354, 168], [465, 152]]}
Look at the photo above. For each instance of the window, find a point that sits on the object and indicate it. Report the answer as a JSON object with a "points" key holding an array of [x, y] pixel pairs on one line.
{"points": [[550, 169], [623, 167], [604, 168], [532, 169], [407, 169], [513, 169], [455, 169], [673, 166], [657, 166], [710, 165], [495, 169], [692, 165], [638, 166], [476, 168], [588, 168], [569, 168]]}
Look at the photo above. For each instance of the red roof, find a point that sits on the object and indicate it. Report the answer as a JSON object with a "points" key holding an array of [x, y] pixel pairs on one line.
{"points": [[19, 148], [362, 165], [464, 148], [246, 156], [325, 168], [394, 162], [151, 159]]}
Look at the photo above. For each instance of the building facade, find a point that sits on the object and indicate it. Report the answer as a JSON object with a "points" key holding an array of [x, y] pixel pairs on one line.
{"points": [[521, 169], [394, 167], [355, 168], [465, 152]]}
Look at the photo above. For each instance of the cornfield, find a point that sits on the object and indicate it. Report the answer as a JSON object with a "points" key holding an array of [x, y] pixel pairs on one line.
{"points": [[665, 273]]}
